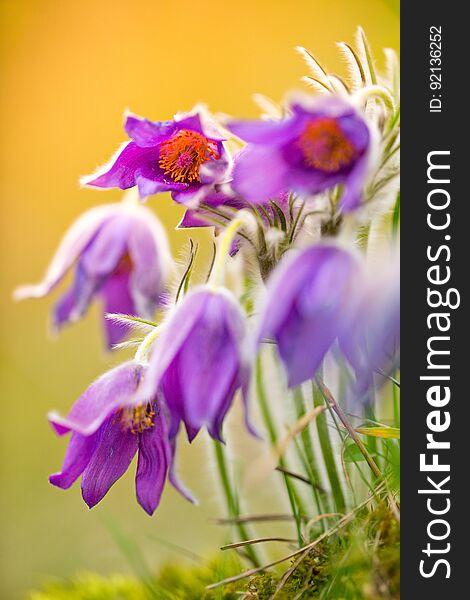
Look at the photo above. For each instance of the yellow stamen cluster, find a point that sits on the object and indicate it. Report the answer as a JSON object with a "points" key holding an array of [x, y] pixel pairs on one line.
{"points": [[137, 419], [325, 146], [183, 154]]}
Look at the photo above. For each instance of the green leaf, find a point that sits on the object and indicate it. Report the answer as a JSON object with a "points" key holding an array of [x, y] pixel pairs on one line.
{"points": [[280, 214], [352, 454], [381, 432]]}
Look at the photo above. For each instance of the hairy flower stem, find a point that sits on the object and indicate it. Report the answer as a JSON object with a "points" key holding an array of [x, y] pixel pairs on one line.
{"points": [[145, 346], [396, 405], [369, 413], [328, 396], [375, 91], [327, 451], [310, 463], [294, 500], [218, 271], [232, 500]]}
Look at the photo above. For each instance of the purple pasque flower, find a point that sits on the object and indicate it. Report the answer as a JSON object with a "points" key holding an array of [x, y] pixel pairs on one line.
{"points": [[118, 252], [108, 428], [180, 156], [324, 142], [306, 306], [200, 360]]}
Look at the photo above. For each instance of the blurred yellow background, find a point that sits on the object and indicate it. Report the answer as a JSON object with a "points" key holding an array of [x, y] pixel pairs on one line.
{"points": [[69, 69]]}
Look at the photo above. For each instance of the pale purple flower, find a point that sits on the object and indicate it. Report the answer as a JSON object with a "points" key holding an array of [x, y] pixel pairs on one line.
{"points": [[182, 156], [108, 428], [371, 338], [324, 142], [200, 360], [307, 306], [118, 252]]}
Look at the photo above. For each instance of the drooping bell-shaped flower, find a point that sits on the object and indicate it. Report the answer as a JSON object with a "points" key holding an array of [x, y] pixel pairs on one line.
{"points": [[324, 142], [307, 306], [370, 340], [200, 360], [108, 428], [183, 156], [119, 253]]}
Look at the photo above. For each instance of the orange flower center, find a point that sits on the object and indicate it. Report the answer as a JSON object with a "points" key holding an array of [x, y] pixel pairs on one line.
{"points": [[183, 154], [325, 146], [137, 419]]}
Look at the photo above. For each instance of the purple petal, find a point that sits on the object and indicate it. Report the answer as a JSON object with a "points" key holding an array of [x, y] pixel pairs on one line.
{"points": [[209, 359], [246, 403], [110, 391], [323, 106], [74, 242], [303, 345], [356, 131], [64, 308], [354, 186], [171, 391], [274, 133], [152, 467], [259, 173], [150, 256], [167, 345], [116, 299], [200, 381], [111, 459], [191, 122], [150, 185], [369, 339], [173, 478], [207, 126], [215, 171], [306, 307], [193, 218], [215, 424], [147, 133], [77, 457], [97, 261], [280, 296], [107, 248], [121, 172], [74, 303]]}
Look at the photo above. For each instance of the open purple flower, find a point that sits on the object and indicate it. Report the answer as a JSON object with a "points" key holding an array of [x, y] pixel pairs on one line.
{"points": [[108, 428], [180, 156], [199, 361], [307, 306], [325, 142], [118, 252]]}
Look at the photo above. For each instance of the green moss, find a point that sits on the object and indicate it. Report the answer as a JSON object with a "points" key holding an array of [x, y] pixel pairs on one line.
{"points": [[173, 582], [359, 563], [182, 583], [92, 587], [307, 579], [362, 562]]}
